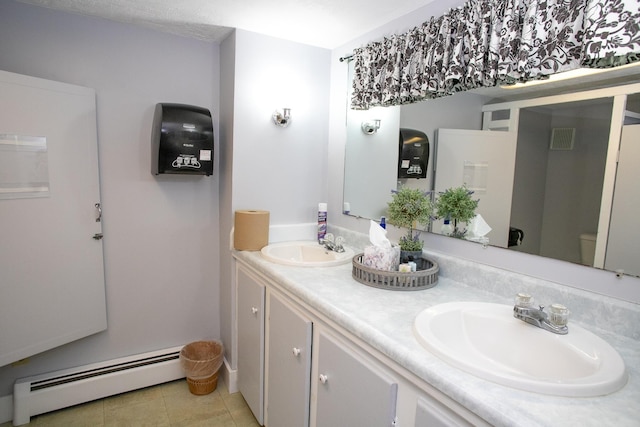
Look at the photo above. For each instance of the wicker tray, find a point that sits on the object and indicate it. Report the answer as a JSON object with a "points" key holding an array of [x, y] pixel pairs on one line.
{"points": [[426, 277]]}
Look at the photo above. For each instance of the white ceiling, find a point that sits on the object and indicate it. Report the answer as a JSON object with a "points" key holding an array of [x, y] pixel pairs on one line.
{"points": [[323, 23]]}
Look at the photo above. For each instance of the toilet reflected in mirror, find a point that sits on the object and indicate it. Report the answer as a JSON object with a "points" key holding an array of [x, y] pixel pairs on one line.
{"points": [[587, 248]]}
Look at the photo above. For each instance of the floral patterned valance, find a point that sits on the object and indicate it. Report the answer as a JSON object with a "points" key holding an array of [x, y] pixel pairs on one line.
{"points": [[486, 43], [612, 35]]}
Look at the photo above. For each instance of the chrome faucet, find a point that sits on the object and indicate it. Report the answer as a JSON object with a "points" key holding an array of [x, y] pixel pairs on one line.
{"points": [[556, 322], [332, 243]]}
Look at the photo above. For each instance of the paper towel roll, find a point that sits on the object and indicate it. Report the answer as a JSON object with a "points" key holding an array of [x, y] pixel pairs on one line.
{"points": [[251, 230]]}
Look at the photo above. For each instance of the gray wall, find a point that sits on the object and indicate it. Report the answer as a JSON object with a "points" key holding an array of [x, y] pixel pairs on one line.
{"points": [[527, 205], [161, 234], [575, 180], [263, 166], [280, 169], [227, 86]]}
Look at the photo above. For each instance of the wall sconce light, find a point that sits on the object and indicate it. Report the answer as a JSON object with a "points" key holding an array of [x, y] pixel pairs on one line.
{"points": [[370, 127], [282, 118]]}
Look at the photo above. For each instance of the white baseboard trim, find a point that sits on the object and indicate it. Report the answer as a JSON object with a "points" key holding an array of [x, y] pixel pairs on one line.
{"points": [[60, 389], [6, 408], [230, 377]]}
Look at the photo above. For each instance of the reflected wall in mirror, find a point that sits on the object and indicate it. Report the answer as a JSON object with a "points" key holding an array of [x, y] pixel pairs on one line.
{"points": [[559, 175], [564, 175]]}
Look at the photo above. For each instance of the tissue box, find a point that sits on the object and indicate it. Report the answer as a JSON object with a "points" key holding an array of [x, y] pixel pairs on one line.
{"points": [[386, 259]]}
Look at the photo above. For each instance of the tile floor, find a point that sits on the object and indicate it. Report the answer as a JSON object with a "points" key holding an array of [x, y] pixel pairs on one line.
{"points": [[170, 404]]}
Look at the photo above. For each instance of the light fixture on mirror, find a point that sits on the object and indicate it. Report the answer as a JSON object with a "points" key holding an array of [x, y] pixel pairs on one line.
{"points": [[370, 127], [282, 117]]}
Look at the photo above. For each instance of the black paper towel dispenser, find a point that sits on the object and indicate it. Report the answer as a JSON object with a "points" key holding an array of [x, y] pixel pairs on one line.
{"points": [[413, 156], [181, 140]]}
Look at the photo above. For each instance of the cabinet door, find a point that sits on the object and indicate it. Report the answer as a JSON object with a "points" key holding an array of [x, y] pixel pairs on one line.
{"points": [[289, 366], [251, 341], [433, 414], [350, 390]]}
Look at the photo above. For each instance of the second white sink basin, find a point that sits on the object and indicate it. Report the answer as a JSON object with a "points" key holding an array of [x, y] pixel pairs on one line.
{"points": [[485, 339], [305, 254]]}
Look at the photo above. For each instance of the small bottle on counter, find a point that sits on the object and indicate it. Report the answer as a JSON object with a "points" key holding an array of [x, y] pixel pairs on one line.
{"points": [[447, 229], [383, 222], [322, 221]]}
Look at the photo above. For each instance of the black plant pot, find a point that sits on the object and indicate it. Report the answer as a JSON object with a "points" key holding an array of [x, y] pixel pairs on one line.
{"points": [[406, 256]]}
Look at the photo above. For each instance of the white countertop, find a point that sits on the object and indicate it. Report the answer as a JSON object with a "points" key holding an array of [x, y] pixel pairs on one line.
{"points": [[384, 318]]}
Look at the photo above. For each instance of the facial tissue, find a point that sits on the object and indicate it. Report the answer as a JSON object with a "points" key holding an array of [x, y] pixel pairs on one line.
{"points": [[380, 255]]}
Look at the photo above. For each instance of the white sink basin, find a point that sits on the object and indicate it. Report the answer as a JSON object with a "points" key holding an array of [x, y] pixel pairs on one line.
{"points": [[305, 254], [487, 341]]}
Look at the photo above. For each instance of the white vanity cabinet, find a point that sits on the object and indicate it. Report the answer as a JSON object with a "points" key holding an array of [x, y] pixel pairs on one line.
{"points": [[250, 318], [313, 373], [288, 365]]}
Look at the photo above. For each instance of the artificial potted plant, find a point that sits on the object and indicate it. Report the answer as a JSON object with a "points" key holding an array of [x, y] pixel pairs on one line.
{"points": [[408, 208], [456, 205]]}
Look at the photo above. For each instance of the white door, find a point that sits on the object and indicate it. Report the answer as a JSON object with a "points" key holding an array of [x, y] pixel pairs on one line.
{"points": [[485, 162], [623, 246], [51, 267]]}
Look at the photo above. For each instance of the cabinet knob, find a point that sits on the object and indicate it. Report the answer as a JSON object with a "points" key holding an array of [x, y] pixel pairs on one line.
{"points": [[254, 310], [296, 351], [324, 378]]}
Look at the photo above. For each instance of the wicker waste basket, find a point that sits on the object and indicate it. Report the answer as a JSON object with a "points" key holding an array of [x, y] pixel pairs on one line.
{"points": [[201, 361]]}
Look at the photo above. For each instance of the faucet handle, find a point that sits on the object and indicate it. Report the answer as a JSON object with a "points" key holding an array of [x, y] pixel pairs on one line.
{"points": [[523, 300], [558, 315]]}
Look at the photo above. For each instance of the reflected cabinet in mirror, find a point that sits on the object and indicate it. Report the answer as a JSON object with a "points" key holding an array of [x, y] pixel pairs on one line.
{"points": [[554, 165]]}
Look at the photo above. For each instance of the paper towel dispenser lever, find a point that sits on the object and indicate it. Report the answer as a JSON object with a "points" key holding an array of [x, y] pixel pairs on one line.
{"points": [[181, 140]]}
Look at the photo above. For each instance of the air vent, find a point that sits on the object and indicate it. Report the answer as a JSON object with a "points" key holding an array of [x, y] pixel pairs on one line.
{"points": [[562, 139]]}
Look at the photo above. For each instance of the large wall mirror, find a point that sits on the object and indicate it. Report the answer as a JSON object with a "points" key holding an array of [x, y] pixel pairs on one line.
{"points": [[562, 186]]}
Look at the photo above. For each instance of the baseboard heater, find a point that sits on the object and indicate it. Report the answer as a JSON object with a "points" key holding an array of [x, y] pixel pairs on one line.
{"points": [[56, 390]]}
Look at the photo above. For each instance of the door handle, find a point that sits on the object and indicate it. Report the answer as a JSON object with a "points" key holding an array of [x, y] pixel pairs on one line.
{"points": [[98, 236], [99, 208]]}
